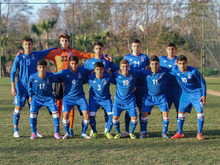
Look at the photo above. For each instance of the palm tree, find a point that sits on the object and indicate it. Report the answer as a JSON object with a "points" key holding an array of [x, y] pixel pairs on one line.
{"points": [[46, 27], [36, 29]]}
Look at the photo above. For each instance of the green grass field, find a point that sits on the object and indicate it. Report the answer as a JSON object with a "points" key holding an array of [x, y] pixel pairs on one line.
{"points": [[153, 150]]}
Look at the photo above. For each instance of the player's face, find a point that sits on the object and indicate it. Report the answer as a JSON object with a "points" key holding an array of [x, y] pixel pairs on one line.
{"points": [[154, 65], [99, 71], [182, 65], [27, 45], [135, 47], [73, 65], [42, 69], [171, 51], [98, 50], [124, 68], [64, 43]]}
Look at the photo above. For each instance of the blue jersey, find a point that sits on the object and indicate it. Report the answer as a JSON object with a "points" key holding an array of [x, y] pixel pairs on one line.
{"points": [[100, 87], [41, 89], [125, 85], [73, 82], [90, 64], [155, 83], [27, 65], [191, 81], [169, 63], [137, 63]]}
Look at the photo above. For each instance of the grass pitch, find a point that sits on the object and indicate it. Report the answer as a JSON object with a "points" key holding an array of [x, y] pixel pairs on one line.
{"points": [[153, 150]]}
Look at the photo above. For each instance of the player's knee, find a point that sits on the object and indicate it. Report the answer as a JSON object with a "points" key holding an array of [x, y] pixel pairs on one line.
{"points": [[166, 118], [134, 121], [92, 114], [200, 115], [144, 119], [115, 121], [16, 111], [55, 114], [66, 122], [181, 116], [86, 121], [33, 115]]}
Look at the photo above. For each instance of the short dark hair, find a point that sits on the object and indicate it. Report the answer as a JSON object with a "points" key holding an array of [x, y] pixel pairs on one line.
{"points": [[181, 58], [124, 61], [99, 64], [28, 39], [99, 44], [64, 35], [136, 41], [42, 62], [154, 58], [171, 44], [74, 58]]}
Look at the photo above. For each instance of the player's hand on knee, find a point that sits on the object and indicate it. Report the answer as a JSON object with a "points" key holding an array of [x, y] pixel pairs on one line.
{"points": [[13, 91]]}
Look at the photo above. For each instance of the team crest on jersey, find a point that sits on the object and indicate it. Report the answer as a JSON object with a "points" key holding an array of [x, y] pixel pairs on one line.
{"points": [[160, 76], [104, 82], [189, 76], [33, 57], [70, 53], [178, 74], [79, 75], [47, 81], [131, 77], [94, 81], [103, 61], [142, 59]]}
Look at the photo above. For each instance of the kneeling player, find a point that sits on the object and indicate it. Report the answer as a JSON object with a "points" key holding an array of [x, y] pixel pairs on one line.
{"points": [[155, 94], [193, 93], [41, 94], [99, 95], [125, 98], [74, 95]]}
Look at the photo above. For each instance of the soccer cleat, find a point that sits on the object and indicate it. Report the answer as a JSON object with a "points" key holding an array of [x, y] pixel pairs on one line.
{"points": [[33, 136], [95, 135], [57, 136], [125, 134], [91, 132], [117, 136], [144, 135], [109, 136], [16, 134], [177, 135], [71, 132], [39, 135], [165, 135], [200, 137], [66, 136], [132, 136], [85, 136]]}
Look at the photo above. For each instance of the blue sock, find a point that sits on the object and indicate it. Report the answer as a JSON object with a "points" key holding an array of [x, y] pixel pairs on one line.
{"points": [[127, 121], [33, 122], [109, 123], [140, 114], [93, 123], [133, 125], [200, 121], [16, 117], [165, 124], [180, 122], [56, 122], [143, 125], [116, 124], [85, 124], [66, 125], [106, 120]]}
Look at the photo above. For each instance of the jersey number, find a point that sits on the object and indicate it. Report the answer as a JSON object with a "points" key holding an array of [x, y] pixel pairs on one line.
{"points": [[136, 63], [41, 86], [64, 58], [155, 81], [99, 87], [184, 80], [125, 82]]}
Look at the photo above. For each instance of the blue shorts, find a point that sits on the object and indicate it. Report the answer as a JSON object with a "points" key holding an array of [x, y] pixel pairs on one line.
{"points": [[36, 104], [160, 101], [139, 94], [173, 95], [130, 107], [69, 103], [187, 100], [21, 95], [105, 104]]}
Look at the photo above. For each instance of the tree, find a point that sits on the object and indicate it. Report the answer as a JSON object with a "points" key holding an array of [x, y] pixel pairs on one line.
{"points": [[36, 29]]}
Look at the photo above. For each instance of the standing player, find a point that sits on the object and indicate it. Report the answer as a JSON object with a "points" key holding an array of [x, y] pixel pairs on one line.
{"points": [[73, 78], [173, 89], [100, 57], [99, 95], [155, 94], [26, 63], [193, 93], [40, 93], [137, 61], [125, 98]]}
